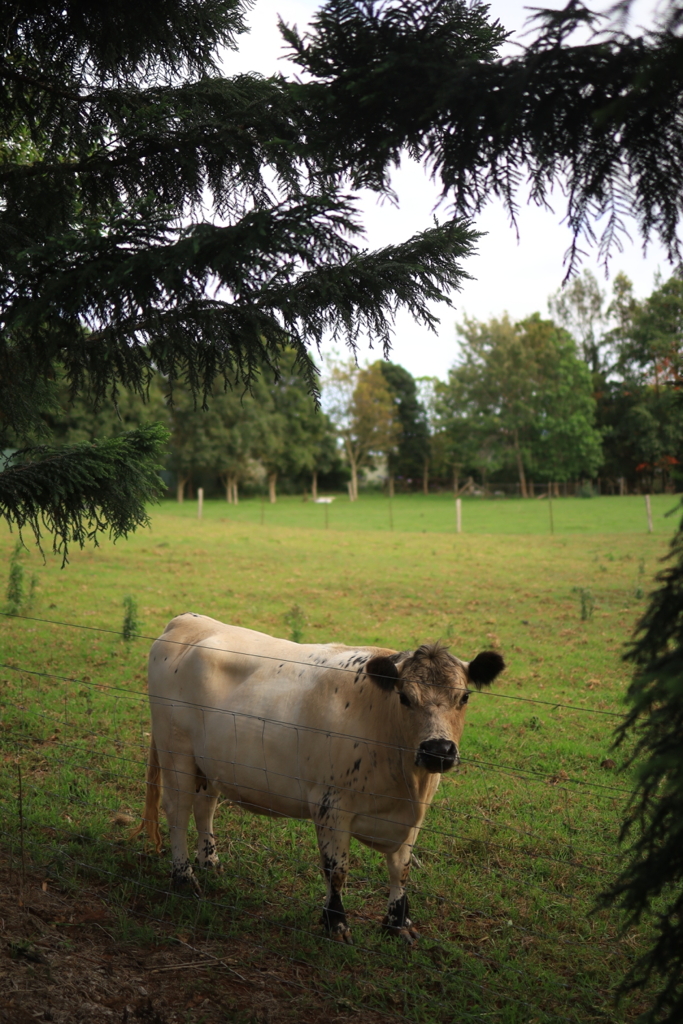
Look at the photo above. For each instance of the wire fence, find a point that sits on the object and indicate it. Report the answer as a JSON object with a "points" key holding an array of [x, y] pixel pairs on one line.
{"points": [[284, 767]]}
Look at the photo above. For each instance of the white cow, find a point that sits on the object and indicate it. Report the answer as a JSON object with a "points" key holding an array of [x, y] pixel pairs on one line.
{"points": [[354, 738]]}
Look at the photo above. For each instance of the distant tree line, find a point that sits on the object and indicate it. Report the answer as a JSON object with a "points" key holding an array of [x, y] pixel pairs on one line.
{"points": [[587, 398]]}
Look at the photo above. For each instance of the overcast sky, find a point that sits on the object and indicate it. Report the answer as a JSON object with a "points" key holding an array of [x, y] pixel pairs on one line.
{"points": [[509, 274]]}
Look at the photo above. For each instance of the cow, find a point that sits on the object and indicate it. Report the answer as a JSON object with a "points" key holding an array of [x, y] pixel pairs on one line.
{"points": [[353, 738]]}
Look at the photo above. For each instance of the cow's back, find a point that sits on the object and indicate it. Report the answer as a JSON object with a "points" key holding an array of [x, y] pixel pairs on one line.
{"points": [[261, 716]]}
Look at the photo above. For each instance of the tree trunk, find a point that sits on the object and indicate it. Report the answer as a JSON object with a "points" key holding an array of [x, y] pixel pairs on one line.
{"points": [[353, 482], [180, 489], [231, 489], [272, 478], [425, 477], [391, 485], [314, 485], [520, 468]]}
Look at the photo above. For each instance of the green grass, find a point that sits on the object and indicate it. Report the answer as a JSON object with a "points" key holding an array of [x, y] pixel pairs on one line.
{"points": [[518, 842], [417, 513]]}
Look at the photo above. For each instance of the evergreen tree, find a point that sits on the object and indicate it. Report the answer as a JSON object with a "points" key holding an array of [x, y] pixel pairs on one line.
{"points": [[603, 118], [410, 459], [157, 216], [651, 881]]}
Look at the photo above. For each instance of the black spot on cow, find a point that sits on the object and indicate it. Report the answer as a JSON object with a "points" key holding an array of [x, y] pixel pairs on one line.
{"points": [[346, 705], [356, 764], [174, 671], [397, 913], [201, 781], [325, 805]]}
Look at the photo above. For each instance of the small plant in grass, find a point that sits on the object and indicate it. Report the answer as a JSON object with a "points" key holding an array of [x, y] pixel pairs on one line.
{"points": [[17, 598], [15, 584], [587, 602], [131, 623], [639, 592], [295, 620]]}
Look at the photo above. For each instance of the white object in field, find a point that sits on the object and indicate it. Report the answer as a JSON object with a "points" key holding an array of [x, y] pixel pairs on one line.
{"points": [[323, 501], [458, 515], [648, 506], [200, 502]]}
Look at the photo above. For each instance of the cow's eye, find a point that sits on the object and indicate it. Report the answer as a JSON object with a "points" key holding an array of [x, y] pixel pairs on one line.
{"points": [[404, 700], [465, 698]]}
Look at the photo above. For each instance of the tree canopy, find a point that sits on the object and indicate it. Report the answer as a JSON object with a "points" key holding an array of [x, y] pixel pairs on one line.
{"points": [[521, 395]]}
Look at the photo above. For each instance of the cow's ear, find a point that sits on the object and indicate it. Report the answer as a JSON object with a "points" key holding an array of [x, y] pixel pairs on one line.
{"points": [[383, 672], [485, 667]]}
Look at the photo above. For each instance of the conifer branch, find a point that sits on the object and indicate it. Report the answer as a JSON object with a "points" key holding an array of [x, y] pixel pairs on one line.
{"points": [[82, 491]]}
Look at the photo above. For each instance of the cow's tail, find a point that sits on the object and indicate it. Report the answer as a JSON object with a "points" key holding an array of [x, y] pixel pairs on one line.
{"points": [[150, 815]]}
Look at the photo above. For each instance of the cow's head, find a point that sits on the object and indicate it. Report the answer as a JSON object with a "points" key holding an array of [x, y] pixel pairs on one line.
{"points": [[432, 688]]}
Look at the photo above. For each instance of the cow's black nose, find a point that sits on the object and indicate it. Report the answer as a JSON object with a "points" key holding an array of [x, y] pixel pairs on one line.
{"points": [[437, 755]]}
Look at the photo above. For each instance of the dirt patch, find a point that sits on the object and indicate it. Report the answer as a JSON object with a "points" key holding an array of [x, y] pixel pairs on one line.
{"points": [[60, 962]]}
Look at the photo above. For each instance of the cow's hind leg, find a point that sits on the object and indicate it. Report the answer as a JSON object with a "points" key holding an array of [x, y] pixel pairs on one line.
{"points": [[205, 801], [397, 922], [178, 778], [333, 843]]}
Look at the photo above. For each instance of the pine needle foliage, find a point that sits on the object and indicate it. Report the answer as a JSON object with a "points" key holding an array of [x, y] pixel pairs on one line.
{"points": [[651, 882], [157, 216], [604, 118], [82, 491]]}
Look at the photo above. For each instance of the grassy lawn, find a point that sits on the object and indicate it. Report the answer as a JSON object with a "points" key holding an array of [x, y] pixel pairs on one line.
{"points": [[519, 841]]}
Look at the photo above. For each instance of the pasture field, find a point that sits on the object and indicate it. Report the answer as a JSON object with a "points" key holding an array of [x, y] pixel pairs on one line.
{"points": [[516, 847], [417, 513]]}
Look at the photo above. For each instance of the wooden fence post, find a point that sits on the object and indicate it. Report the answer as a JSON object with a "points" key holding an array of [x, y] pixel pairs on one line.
{"points": [[200, 502], [458, 515], [648, 507]]}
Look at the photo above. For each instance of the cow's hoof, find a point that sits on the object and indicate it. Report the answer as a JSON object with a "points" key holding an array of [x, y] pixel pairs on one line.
{"points": [[342, 935], [214, 866], [405, 932], [335, 928], [186, 884]]}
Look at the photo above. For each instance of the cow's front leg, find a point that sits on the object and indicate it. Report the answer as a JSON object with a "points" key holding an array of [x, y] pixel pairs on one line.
{"points": [[333, 843], [204, 809], [397, 922]]}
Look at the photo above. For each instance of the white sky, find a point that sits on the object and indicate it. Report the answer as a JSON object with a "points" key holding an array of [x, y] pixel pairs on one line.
{"points": [[510, 274]]}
